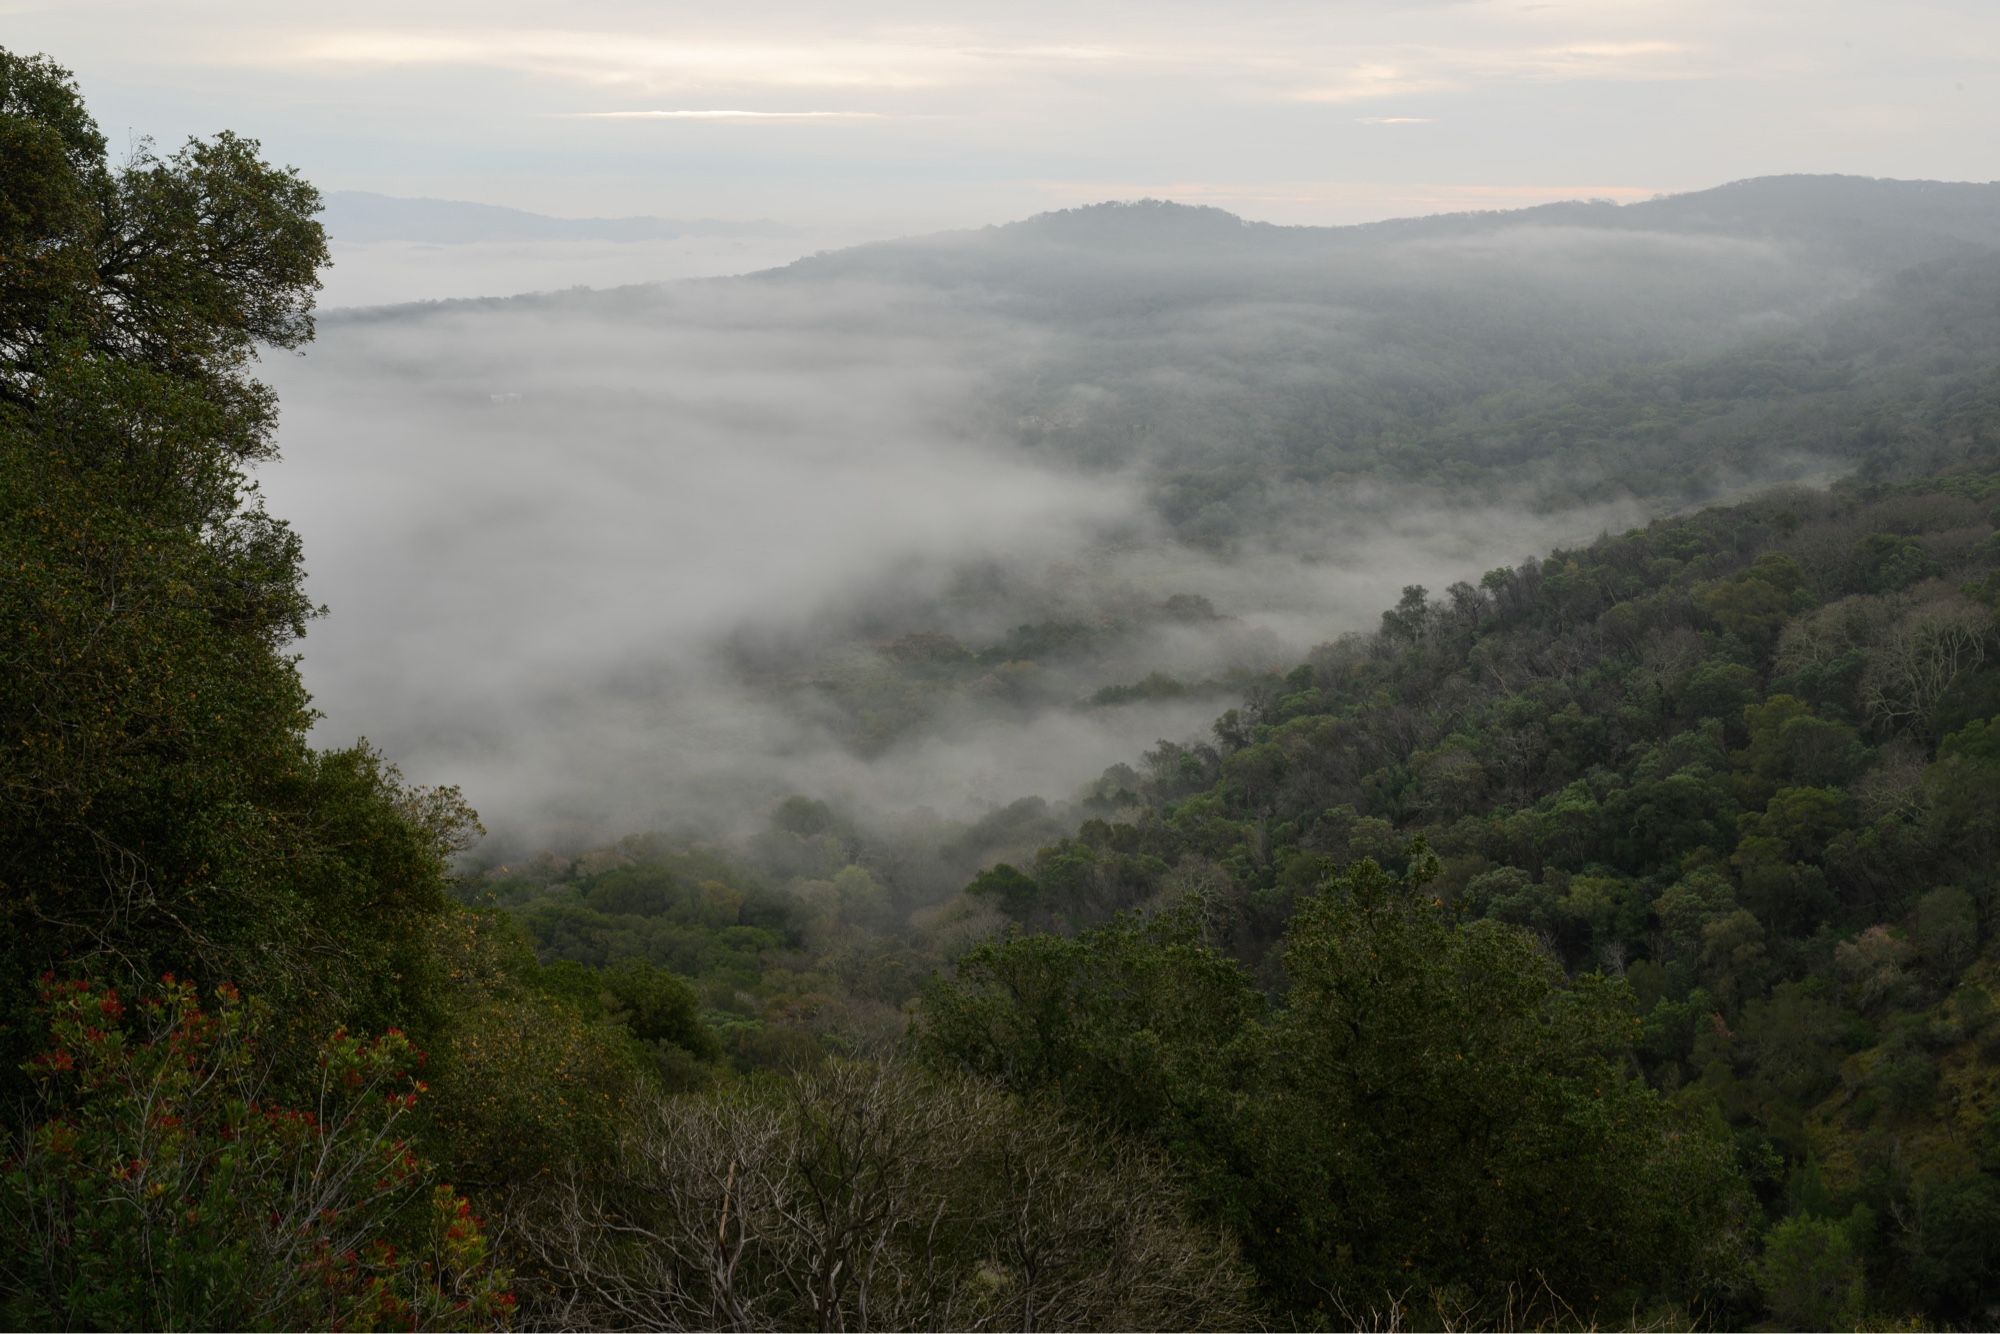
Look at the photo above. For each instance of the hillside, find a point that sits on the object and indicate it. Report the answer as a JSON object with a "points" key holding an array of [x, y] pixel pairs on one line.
{"points": [[1731, 772], [1243, 360]]}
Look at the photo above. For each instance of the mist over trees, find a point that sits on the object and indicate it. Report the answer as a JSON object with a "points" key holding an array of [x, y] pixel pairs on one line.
{"points": [[1015, 805], [934, 523]]}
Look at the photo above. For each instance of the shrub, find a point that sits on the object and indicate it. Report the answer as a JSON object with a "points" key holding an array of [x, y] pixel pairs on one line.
{"points": [[160, 1184]]}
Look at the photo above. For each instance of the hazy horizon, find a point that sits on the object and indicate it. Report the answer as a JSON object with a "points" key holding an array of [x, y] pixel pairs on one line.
{"points": [[891, 118], [387, 266]]}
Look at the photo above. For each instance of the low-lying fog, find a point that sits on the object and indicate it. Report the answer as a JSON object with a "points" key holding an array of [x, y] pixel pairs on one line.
{"points": [[389, 250], [631, 561], [386, 272]]}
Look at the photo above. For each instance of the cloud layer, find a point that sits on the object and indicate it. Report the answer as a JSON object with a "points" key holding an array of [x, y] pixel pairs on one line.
{"points": [[600, 558]]}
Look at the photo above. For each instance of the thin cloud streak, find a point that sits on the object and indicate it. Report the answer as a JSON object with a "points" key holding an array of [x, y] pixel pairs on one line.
{"points": [[1410, 71], [623, 58], [909, 64], [1365, 83], [723, 114]]}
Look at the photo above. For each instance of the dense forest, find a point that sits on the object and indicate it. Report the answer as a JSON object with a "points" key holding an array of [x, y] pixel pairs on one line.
{"points": [[1607, 940]]}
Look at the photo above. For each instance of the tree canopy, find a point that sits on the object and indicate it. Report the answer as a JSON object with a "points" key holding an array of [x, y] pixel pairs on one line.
{"points": [[162, 808]]}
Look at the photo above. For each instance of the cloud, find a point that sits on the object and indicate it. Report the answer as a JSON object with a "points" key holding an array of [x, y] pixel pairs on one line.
{"points": [[903, 60], [1408, 71], [1395, 120], [1073, 54], [665, 533], [898, 62], [725, 115], [1615, 50], [619, 58], [600, 498], [1646, 60], [390, 271], [1365, 83], [439, 97]]}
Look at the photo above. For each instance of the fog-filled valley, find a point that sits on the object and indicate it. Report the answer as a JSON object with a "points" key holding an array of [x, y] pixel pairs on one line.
{"points": [[743, 542], [1132, 768], [940, 524]]}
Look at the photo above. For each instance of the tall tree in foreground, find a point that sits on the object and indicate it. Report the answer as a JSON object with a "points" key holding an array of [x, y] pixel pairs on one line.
{"points": [[163, 1164], [159, 806]]}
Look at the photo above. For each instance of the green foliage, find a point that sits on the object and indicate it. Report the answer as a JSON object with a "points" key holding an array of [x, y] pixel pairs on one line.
{"points": [[1136, 1022], [173, 268], [1463, 1116], [1429, 1107], [159, 806], [1811, 1276], [161, 811], [1954, 1251], [527, 1077], [1888, 562], [659, 1012], [1947, 934], [159, 1184], [1011, 892], [1699, 755]]}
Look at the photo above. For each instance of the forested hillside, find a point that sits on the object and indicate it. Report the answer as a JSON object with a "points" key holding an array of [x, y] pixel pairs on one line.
{"points": [[1734, 772], [1705, 809], [1607, 940]]}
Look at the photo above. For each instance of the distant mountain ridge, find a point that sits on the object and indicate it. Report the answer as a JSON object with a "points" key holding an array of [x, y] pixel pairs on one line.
{"points": [[1573, 353], [1879, 224], [1959, 207], [1871, 224], [362, 216]]}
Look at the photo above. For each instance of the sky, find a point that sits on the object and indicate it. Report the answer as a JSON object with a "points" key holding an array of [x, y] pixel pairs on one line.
{"points": [[892, 116]]}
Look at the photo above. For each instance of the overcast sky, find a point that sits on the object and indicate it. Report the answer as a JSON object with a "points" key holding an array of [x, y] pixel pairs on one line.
{"points": [[909, 115]]}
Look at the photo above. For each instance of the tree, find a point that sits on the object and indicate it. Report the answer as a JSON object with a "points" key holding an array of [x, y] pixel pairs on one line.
{"points": [[1431, 1107], [1951, 1244], [1463, 1118], [865, 1196], [1010, 891], [178, 265], [1810, 1275], [1887, 562], [1947, 932], [1931, 646], [159, 806]]}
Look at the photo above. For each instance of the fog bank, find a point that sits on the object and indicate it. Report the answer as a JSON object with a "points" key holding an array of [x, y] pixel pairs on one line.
{"points": [[548, 531]]}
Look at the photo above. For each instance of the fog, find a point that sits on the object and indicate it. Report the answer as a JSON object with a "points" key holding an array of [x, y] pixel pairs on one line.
{"points": [[590, 563], [388, 250], [935, 526], [380, 273]]}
